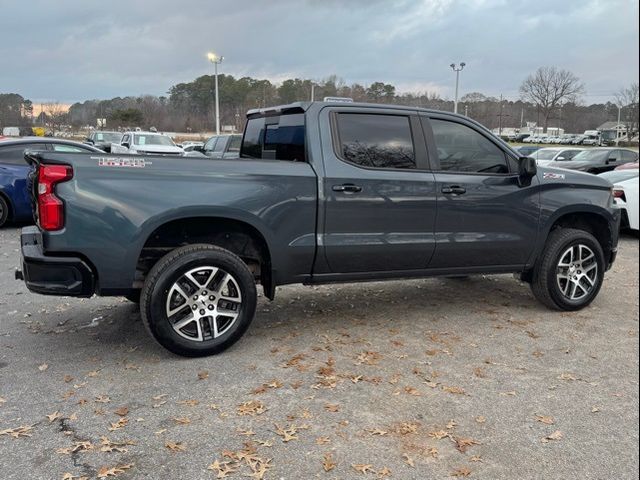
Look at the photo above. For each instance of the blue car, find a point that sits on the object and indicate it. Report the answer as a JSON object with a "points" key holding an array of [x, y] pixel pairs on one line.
{"points": [[15, 204]]}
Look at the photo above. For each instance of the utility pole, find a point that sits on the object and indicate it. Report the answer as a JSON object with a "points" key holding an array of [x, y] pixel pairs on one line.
{"points": [[522, 117], [618, 126], [466, 110], [215, 59], [313, 91], [500, 115], [457, 69]]}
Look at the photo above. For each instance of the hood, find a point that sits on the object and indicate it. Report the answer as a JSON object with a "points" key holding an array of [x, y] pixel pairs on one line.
{"points": [[570, 165], [548, 174], [158, 149]]}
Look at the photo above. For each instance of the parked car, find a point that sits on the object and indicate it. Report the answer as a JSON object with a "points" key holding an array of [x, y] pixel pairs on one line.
{"points": [[549, 155], [625, 192], [103, 139], [322, 192], [526, 150], [15, 204], [578, 140], [221, 146], [628, 166], [146, 143], [190, 146], [600, 159]]}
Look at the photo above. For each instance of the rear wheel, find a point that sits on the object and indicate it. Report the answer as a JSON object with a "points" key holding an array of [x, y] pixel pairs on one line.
{"points": [[4, 211], [570, 271], [198, 300]]}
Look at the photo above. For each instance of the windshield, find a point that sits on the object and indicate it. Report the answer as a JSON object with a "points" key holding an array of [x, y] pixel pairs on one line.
{"points": [[546, 154], [590, 155], [153, 140], [108, 137], [616, 176]]}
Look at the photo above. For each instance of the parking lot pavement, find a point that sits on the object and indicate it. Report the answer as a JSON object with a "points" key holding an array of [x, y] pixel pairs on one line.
{"points": [[407, 379]]}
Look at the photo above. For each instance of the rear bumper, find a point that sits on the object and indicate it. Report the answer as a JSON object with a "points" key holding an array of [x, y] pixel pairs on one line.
{"points": [[52, 275]]}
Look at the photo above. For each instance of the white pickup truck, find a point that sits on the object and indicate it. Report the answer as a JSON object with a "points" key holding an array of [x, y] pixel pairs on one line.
{"points": [[146, 143]]}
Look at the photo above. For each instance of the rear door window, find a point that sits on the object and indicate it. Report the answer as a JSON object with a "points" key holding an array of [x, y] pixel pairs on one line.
{"points": [[376, 140], [275, 138], [629, 156], [220, 144]]}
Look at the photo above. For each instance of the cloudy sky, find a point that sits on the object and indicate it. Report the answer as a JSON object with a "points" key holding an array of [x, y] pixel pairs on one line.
{"points": [[78, 49]]}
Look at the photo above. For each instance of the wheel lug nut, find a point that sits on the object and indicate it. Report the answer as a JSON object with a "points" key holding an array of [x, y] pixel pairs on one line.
{"points": [[210, 307], [195, 297], [195, 307], [202, 312], [212, 298], [204, 292]]}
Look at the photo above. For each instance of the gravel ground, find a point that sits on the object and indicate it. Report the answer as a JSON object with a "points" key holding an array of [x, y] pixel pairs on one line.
{"points": [[407, 379]]}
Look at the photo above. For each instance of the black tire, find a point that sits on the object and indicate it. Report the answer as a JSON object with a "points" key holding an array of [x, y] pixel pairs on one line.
{"points": [[4, 211], [172, 267], [544, 283]]}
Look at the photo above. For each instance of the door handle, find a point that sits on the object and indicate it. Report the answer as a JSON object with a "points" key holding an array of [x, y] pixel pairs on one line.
{"points": [[347, 188], [453, 190]]}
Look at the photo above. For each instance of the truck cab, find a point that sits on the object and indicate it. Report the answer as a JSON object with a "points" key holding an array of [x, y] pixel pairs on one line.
{"points": [[146, 143]]}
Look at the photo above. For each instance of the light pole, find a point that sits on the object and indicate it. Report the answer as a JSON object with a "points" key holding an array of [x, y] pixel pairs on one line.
{"points": [[215, 59], [457, 69]]}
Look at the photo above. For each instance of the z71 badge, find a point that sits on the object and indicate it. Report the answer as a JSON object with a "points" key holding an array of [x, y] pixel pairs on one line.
{"points": [[553, 176], [122, 162]]}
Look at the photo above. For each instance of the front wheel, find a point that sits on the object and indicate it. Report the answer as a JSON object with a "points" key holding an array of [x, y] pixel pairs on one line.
{"points": [[570, 271], [198, 300], [4, 211]]}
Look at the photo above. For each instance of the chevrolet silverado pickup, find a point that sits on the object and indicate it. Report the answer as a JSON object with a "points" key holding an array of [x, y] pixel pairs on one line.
{"points": [[321, 192]]}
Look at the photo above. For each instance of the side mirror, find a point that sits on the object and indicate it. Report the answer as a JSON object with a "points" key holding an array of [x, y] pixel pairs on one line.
{"points": [[559, 159], [199, 148], [527, 171], [125, 144], [88, 140]]}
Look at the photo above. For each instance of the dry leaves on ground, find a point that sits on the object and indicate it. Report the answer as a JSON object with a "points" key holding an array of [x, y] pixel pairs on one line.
{"points": [[557, 435], [175, 446], [461, 472], [328, 462], [119, 424], [545, 419], [105, 472], [24, 431], [252, 407]]}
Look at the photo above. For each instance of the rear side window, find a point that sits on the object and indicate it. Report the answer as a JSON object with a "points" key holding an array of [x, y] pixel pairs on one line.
{"points": [[235, 143], [14, 155], [629, 156], [275, 138], [211, 143], [222, 141], [58, 147], [462, 149], [376, 140]]}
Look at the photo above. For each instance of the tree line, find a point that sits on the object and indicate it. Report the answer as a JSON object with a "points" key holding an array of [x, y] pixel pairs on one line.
{"points": [[549, 97]]}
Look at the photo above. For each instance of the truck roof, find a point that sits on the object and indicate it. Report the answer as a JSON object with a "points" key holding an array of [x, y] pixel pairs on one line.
{"points": [[301, 107]]}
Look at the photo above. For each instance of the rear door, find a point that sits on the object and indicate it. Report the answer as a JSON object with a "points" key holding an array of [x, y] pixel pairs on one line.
{"points": [[378, 193], [485, 218]]}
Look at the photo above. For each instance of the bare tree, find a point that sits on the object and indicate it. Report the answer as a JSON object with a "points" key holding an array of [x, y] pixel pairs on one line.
{"points": [[548, 88], [56, 115], [628, 101]]}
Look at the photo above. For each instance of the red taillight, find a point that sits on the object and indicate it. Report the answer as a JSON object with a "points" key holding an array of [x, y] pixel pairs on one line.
{"points": [[50, 207], [619, 193]]}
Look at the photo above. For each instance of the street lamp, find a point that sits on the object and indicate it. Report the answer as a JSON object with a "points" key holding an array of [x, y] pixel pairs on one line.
{"points": [[215, 59], [457, 69]]}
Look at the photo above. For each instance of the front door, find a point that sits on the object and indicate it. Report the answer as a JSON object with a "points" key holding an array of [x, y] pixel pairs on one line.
{"points": [[485, 218], [379, 197]]}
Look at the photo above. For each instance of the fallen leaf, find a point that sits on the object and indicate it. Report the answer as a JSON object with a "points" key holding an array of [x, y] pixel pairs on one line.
{"points": [[81, 446], [377, 431], [119, 424], [54, 416], [252, 407], [557, 435], [363, 468], [182, 420], [110, 446], [455, 390], [463, 444], [480, 419], [412, 391], [461, 472], [175, 446], [328, 463], [594, 409], [43, 367], [287, 434], [408, 460], [189, 403], [102, 399], [331, 407], [68, 378], [439, 434], [384, 472], [203, 375], [545, 419], [105, 472], [122, 411], [322, 440], [24, 431]]}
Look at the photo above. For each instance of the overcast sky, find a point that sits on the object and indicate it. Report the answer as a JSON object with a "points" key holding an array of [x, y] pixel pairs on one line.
{"points": [[79, 49]]}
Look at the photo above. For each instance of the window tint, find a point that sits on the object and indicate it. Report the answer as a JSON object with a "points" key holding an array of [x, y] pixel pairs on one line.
{"points": [[275, 138], [462, 149], [67, 148], [380, 141], [14, 155], [629, 156]]}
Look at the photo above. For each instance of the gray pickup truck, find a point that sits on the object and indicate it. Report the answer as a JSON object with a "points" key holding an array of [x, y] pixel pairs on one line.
{"points": [[320, 192]]}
